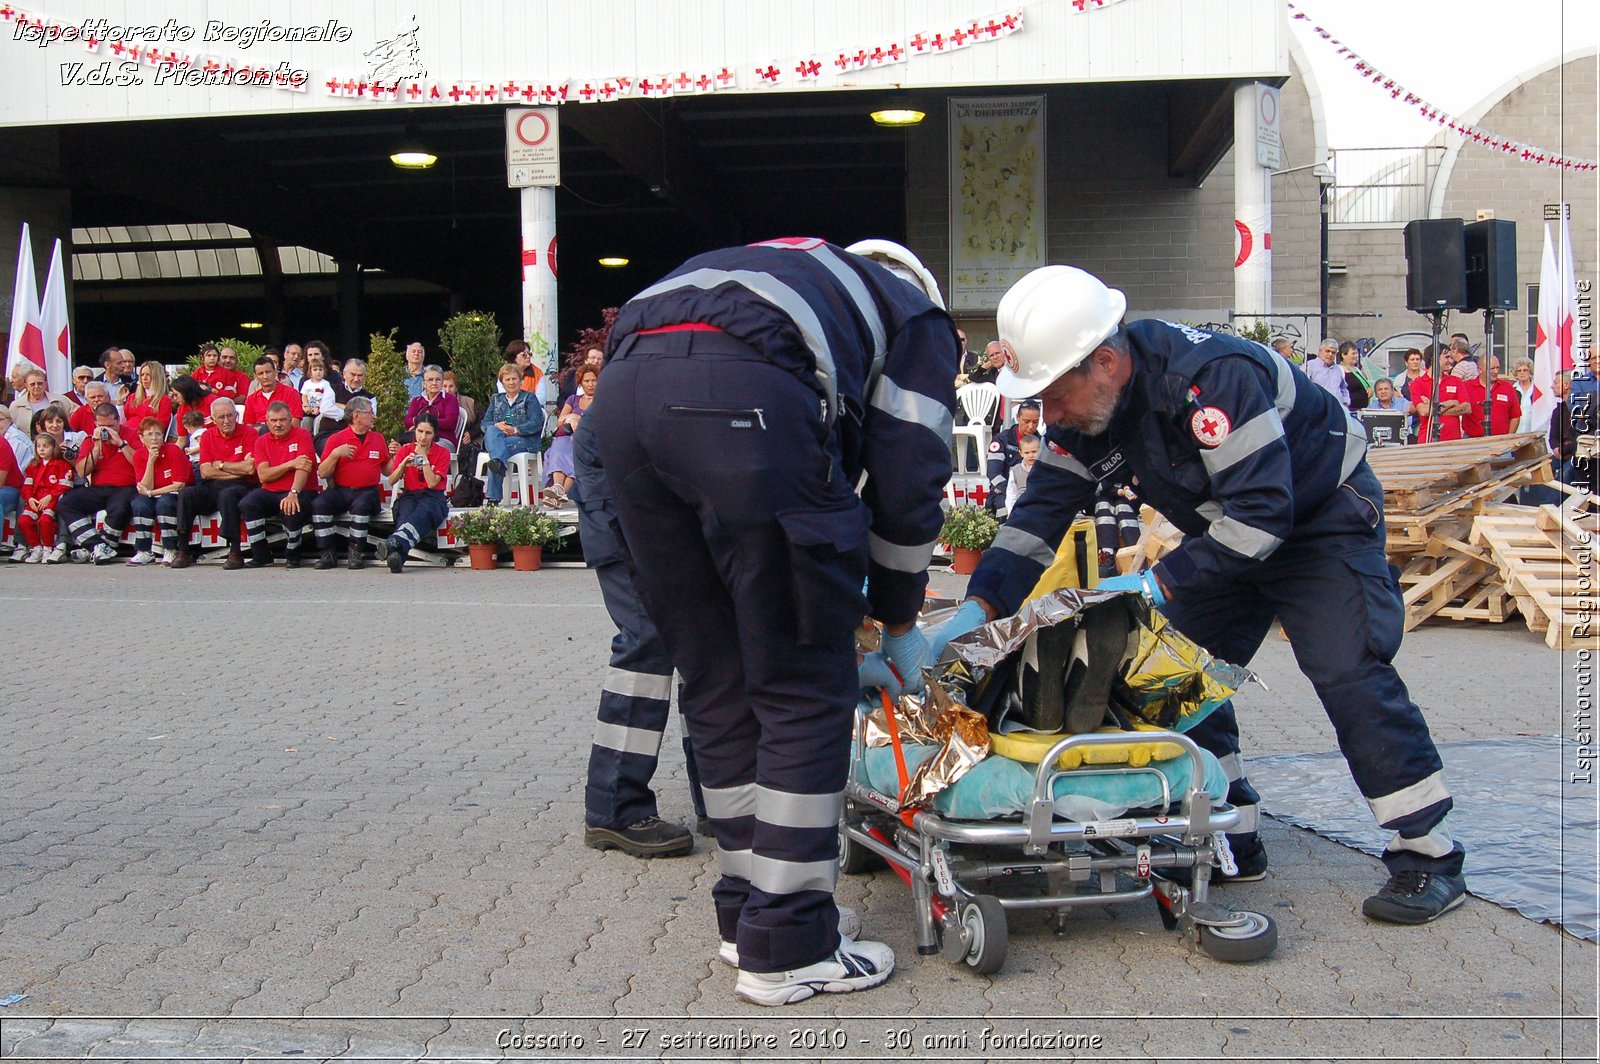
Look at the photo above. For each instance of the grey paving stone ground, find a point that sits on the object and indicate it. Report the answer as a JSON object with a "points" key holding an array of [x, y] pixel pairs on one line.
{"points": [[338, 815]]}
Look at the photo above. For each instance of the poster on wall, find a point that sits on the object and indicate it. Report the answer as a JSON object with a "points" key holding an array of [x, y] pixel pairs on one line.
{"points": [[997, 202]]}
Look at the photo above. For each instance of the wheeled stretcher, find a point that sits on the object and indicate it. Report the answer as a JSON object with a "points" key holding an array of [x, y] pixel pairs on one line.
{"points": [[965, 874]]}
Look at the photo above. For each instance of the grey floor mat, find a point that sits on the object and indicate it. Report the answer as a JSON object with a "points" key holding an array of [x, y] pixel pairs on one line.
{"points": [[1528, 826]]}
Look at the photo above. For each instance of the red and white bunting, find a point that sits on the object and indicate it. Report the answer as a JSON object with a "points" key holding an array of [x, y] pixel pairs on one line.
{"points": [[726, 78], [656, 88], [609, 90], [1465, 130], [848, 62], [685, 84], [808, 69], [491, 92], [587, 91], [627, 87], [769, 74]]}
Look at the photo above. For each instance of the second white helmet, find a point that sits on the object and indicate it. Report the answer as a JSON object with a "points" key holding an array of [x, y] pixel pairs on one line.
{"points": [[900, 261], [1050, 321]]}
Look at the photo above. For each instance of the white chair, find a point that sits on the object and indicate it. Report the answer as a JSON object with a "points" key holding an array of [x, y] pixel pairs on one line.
{"points": [[978, 404], [524, 473]]}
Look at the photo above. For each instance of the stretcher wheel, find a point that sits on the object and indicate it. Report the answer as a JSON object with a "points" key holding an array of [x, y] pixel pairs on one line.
{"points": [[1253, 940], [854, 858], [983, 932]]}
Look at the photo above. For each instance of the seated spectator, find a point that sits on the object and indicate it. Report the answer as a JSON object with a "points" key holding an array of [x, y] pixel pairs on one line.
{"points": [[349, 385], [53, 419], [469, 406], [106, 462], [34, 396], [238, 381], [117, 381], [1028, 449], [354, 462], [433, 399], [316, 393], [424, 466], [293, 370], [211, 374], [1383, 397], [416, 355], [10, 488], [227, 475], [572, 381], [193, 397], [164, 471], [21, 442], [81, 375], [558, 464], [46, 479], [513, 424], [518, 354], [151, 398], [82, 419], [190, 429], [269, 390], [285, 465]]}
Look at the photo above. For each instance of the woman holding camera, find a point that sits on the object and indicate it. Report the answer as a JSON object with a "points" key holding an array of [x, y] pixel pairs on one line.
{"points": [[424, 465]]}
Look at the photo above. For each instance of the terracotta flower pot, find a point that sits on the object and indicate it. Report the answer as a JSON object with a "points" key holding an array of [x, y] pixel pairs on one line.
{"points": [[964, 560], [526, 559], [482, 555]]}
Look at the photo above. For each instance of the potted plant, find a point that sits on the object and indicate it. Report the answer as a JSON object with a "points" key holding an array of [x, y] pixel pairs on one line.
{"points": [[477, 529], [527, 532], [968, 530]]}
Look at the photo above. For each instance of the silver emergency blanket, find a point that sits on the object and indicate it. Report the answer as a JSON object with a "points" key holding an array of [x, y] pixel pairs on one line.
{"points": [[1528, 828]]}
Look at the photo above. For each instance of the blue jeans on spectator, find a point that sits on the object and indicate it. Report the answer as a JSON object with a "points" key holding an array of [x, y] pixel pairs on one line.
{"points": [[10, 499], [498, 445]]}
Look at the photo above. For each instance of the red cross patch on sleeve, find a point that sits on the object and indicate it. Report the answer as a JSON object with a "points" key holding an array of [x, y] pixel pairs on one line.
{"points": [[1209, 425], [994, 447]]}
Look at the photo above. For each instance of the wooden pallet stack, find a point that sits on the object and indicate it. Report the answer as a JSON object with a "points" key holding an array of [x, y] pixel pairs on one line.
{"points": [[1545, 560], [1431, 496]]}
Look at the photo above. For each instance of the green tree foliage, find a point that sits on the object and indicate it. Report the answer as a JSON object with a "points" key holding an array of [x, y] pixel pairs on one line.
{"points": [[472, 341], [386, 380]]}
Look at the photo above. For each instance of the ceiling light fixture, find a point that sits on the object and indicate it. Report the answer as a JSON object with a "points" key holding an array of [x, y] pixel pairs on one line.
{"points": [[897, 113], [251, 325], [613, 262], [413, 159]]}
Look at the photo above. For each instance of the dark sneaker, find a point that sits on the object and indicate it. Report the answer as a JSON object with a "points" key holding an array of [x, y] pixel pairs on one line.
{"points": [[497, 467], [291, 560], [354, 558], [1415, 897], [235, 560], [392, 553], [327, 559], [258, 561], [1250, 866], [650, 837]]}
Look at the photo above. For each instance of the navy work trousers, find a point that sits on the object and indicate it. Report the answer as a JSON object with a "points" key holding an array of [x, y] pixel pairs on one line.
{"points": [[751, 551], [1331, 587]]}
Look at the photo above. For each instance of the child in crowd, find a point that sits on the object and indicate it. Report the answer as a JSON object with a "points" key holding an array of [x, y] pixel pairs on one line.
{"points": [[47, 477], [164, 470], [316, 394], [194, 426], [1028, 447]]}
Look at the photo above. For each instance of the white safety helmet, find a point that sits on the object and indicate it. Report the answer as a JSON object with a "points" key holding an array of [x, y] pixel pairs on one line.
{"points": [[1049, 322], [899, 261]]}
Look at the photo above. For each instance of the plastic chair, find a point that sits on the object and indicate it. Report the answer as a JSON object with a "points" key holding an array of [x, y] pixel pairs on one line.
{"points": [[524, 472], [978, 403]]}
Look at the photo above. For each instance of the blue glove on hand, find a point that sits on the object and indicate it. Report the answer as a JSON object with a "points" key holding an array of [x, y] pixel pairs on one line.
{"points": [[1145, 583], [969, 618], [874, 672], [910, 654]]}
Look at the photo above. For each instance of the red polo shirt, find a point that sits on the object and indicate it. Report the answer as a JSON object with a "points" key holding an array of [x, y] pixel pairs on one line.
{"points": [[81, 419], [438, 458], [8, 465], [1505, 407], [270, 450], [1450, 391], [172, 465], [255, 407], [364, 468], [215, 447], [134, 411], [113, 470]]}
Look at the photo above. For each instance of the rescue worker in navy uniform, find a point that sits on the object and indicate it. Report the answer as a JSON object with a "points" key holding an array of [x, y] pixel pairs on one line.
{"points": [[1266, 474], [619, 808], [1004, 453], [747, 393]]}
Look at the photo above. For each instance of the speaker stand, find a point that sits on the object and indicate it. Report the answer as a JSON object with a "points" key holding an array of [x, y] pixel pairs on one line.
{"points": [[1483, 371], [1432, 435]]}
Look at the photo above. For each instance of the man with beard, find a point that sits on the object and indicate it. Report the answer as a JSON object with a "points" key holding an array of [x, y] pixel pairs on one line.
{"points": [[1266, 474]]}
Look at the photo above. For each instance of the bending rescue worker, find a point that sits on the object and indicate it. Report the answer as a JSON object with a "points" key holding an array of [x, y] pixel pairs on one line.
{"points": [[1266, 475], [746, 394]]}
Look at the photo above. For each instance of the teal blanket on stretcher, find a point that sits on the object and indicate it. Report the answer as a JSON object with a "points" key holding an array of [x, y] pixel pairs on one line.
{"points": [[998, 787]]}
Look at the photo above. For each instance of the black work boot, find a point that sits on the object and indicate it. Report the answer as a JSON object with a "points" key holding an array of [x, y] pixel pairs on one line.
{"points": [[291, 558], [355, 557], [327, 559], [1413, 896], [650, 837]]}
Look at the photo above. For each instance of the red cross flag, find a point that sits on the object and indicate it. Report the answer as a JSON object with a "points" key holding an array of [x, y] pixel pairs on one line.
{"points": [[769, 74], [808, 69], [1556, 333], [26, 342], [960, 37], [920, 44]]}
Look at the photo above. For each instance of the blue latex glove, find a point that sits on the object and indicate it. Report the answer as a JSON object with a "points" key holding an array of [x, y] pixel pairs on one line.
{"points": [[969, 618], [1145, 583], [874, 672], [910, 654]]}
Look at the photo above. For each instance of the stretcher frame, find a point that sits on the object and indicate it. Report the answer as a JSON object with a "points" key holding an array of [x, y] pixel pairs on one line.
{"points": [[1127, 859]]}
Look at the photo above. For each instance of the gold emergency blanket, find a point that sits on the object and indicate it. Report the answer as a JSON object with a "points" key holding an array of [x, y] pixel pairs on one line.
{"points": [[1174, 683]]}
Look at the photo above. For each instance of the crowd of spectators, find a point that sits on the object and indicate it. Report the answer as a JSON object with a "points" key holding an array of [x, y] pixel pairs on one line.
{"points": [[289, 440]]}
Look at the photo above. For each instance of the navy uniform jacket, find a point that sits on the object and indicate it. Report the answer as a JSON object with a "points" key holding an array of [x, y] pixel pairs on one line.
{"points": [[882, 358], [1005, 451], [1230, 442]]}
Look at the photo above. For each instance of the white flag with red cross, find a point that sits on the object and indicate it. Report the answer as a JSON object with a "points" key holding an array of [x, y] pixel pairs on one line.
{"points": [[26, 340]]}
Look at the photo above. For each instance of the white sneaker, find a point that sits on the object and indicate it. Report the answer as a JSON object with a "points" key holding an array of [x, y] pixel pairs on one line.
{"points": [[20, 553], [56, 555], [103, 554], [36, 555], [853, 966], [167, 555], [80, 555], [143, 557], [849, 927]]}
